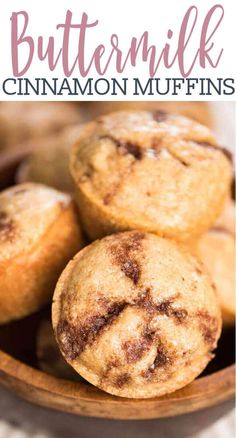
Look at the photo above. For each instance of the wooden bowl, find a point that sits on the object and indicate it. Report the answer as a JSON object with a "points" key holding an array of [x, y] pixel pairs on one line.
{"points": [[19, 368]]}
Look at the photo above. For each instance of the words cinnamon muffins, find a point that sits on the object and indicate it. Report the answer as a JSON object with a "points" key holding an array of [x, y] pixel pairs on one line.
{"points": [[39, 234], [135, 315], [150, 171]]}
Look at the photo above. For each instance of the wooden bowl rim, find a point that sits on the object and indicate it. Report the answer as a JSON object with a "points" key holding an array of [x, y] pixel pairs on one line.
{"points": [[40, 380]]}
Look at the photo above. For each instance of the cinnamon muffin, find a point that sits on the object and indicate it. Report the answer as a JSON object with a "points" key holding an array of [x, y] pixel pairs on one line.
{"points": [[49, 162], [198, 111], [216, 249], [151, 171], [39, 234], [29, 121], [135, 315]]}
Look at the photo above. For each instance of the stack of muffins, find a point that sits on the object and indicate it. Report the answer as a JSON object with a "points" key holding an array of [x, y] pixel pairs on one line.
{"points": [[138, 312]]}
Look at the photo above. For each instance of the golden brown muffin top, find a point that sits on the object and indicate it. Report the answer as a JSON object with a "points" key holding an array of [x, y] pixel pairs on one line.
{"points": [[151, 168], [136, 315], [26, 213]]}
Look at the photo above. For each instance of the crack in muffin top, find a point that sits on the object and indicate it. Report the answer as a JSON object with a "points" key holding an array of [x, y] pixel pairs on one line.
{"points": [[151, 170], [122, 332]]}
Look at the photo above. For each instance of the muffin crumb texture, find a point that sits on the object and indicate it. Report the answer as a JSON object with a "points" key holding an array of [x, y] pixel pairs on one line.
{"points": [[136, 315], [39, 233], [152, 171]]}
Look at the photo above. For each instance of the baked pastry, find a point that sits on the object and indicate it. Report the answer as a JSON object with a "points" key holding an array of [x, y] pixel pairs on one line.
{"points": [[151, 171], [39, 234], [135, 315], [226, 220], [22, 122], [48, 354], [216, 249], [198, 111], [49, 162]]}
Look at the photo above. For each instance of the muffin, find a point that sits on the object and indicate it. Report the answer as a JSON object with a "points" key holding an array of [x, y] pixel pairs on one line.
{"points": [[216, 249], [151, 171], [136, 315], [48, 354], [198, 111], [22, 122], [226, 220], [39, 234], [49, 162]]}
